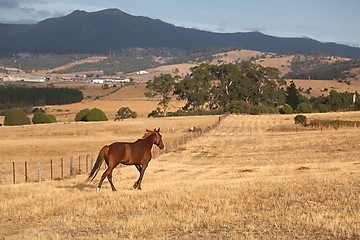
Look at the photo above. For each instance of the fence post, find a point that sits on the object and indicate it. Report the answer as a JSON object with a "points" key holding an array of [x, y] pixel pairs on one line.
{"points": [[86, 163], [51, 169], [79, 166], [26, 176], [71, 165], [62, 168], [14, 177], [39, 171]]}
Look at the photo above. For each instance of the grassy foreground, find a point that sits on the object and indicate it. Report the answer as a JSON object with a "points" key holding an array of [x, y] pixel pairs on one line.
{"points": [[247, 179]]}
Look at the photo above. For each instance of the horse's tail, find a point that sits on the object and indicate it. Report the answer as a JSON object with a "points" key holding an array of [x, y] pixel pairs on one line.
{"points": [[100, 159]]}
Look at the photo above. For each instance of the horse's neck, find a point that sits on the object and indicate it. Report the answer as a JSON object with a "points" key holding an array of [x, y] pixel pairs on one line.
{"points": [[148, 141]]}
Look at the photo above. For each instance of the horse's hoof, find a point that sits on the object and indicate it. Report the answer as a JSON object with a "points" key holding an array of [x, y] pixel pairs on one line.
{"points": [[98, 189], [135, 185]]}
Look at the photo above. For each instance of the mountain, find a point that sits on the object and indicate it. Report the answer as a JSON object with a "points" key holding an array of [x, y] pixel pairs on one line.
{"points": [[111, 29]]}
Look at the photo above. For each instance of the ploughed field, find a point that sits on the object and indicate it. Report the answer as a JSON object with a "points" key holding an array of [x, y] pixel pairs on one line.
{"points": [[252, 177]]}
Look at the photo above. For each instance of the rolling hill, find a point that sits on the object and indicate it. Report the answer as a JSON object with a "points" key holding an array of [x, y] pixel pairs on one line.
{"points": [[111, 29]]}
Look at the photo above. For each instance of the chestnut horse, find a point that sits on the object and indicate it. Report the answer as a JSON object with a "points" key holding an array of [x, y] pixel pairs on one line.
{"points": [[137, 153]]}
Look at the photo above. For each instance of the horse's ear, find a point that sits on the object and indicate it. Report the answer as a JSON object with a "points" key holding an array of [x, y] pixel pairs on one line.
{"points": [[147, 130], [158, 130]]}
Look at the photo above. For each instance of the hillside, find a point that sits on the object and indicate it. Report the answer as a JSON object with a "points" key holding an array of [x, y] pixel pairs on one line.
{"points": [[111, 29]]}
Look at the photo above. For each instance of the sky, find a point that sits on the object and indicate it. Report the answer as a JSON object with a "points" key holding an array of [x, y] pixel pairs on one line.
{"points": [[323, 20]]}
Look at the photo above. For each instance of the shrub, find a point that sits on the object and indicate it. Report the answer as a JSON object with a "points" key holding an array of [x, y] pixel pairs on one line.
{"points": [[156, 113], [90, 115], [15, 117], [255, 110], [40, 118], [304, 108], [286, 109], [300, 119], [323, 108], [35, 110], [238, 107], [80, 116], [95, 114], [273, 110], [125, 112]]}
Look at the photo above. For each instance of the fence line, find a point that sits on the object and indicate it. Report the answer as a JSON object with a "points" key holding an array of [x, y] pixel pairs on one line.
{"points": [[37, 171]]}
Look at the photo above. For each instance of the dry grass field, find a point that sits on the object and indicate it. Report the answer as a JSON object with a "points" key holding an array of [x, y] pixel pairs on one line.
{"points": [[252, 177], [318, 87]]}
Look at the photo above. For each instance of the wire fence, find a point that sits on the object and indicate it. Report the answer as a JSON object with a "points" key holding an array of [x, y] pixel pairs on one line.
{"points": [[59, 169]]}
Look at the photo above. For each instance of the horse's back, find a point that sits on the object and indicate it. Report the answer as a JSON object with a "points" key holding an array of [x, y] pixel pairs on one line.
{"points": [[128, 153], [117, 152]]}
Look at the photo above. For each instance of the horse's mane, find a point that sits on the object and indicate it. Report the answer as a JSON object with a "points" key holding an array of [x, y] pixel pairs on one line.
{"points": [[149, 132]]}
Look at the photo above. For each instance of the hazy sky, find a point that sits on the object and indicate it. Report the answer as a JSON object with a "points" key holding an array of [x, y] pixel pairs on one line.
{"points": [[324, 20]]}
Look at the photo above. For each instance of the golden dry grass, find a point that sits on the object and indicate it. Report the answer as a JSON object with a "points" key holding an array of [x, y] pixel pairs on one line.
{"points": [[42, 142], [318, 87], [253, 177]]}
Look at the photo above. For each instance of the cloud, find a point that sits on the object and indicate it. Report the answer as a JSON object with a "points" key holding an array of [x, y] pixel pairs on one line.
{"points": [[9, 4], [22, 11], [255, 29]]}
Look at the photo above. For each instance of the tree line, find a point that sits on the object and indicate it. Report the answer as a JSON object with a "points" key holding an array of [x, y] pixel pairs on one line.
{"points": [[240, 88], [19, 96]]}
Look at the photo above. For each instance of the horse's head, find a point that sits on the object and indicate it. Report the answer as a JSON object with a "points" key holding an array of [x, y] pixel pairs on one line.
{"points": [[157, 137]]}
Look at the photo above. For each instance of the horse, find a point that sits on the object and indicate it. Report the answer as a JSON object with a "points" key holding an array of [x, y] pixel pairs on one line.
{"points": [[136, 153]]}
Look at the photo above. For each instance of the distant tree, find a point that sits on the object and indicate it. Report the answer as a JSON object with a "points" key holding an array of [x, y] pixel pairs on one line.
{"points": [[36, 110], [89, 115], [292, 95], [238, 107], [125, 112], [323, 108], [300, 119], [304, 108], [248, 82], [95, 114], [41, 118], [197, 88], [22, 96], [156, 113], [225, 86], [163, 87], [286, 109], [80, 116], [15, 117]]}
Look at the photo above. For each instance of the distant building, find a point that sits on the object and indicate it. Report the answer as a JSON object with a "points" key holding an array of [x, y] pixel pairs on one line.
{"points": [[99, 81], [111, 80], [35, 79], [142, 72]]}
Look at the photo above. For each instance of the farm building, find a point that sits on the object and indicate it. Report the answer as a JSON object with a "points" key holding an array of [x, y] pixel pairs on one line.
{"points": [[111, 80], [25, 78]]}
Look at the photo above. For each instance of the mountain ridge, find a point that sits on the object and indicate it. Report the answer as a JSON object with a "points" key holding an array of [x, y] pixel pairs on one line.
{"points": [[112, 29]]}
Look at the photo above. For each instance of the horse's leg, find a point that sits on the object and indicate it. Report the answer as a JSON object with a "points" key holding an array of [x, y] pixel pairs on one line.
{"points": [[103, 176], [107, 172], [138, 167], [143, 168], [110, 180]]}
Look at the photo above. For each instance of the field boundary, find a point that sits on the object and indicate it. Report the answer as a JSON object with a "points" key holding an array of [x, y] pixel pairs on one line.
{"points": [[64, 168]]}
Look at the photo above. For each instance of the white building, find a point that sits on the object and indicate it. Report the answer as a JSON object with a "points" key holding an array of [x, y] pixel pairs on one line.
{"points": [[111, 80]]}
